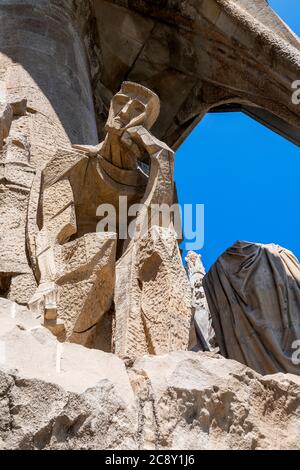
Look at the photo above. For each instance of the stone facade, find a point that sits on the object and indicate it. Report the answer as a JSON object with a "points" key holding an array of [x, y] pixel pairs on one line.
{"points": [[198, 55], [95, 97]]}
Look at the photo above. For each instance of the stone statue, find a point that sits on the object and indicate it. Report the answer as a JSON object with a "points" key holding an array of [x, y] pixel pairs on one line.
{"points": [[98, 289], [203, 335], [253, 292]]}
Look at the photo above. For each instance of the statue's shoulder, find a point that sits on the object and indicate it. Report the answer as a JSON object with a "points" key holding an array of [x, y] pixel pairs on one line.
{"points": [[62, 164]]}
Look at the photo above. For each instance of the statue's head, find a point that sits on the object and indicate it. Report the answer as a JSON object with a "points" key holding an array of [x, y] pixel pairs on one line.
{"points": [[133, 105]]}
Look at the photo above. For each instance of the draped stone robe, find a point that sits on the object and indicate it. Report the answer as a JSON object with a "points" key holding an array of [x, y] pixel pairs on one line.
{"points": [[253, 292]]}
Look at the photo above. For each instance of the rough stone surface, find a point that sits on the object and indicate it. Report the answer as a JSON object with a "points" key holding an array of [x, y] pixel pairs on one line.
{"points": [[36, 72], [202, 334], [152, 297], [75, 398], [253, 294], [59, 63], [36, 353], [74, 253], [198, 55]]}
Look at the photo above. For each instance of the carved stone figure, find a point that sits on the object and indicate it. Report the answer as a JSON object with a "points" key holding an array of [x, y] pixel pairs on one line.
{"points": [[253, 292], [80, 271], [61, 63], [203, 335]]}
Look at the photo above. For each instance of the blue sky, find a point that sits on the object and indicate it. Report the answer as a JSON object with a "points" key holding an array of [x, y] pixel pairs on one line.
{"points": [[246, 176]]}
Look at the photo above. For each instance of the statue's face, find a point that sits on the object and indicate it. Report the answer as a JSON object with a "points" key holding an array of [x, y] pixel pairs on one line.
{"points": [[126, 110]]}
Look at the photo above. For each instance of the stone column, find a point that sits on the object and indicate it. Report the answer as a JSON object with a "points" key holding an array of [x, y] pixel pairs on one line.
{"points": [[44, 76], [42, 57]]}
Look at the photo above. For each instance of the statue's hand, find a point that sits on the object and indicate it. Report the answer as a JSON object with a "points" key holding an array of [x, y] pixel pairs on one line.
{"points": [[145, 140], [91, 150], [129, 143]]}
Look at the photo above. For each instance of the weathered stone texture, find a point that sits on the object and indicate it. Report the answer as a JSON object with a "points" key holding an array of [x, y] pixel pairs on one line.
{"points": [[253, 295], [75, 267], [152, 297], [46, 104], [197, 55], [59, 62], [74, 398], [202, 336]]}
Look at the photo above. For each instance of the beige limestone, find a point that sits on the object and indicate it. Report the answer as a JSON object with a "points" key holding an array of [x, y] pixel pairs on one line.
{"points": [[16, 176], [253, 292], [152, 297], [202, 336], [75, 266], [71, 397], [152, 293], [45, 97], [31, 349], [6, 117], [196, 56]]}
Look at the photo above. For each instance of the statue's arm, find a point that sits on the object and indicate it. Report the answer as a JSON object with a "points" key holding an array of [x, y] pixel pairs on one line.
{"points": [[58, 225], [144, 139], [88, 149], [160, 187]]}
